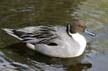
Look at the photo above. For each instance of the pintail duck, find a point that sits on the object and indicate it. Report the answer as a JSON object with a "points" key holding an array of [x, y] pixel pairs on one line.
{"points": [[55, 41]]}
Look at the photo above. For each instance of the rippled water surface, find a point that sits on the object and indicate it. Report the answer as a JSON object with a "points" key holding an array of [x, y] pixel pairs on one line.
{"points": [[15, 56]]}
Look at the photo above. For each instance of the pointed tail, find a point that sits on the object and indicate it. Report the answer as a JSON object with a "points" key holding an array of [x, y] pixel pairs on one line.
{"points": [[11, 32]]}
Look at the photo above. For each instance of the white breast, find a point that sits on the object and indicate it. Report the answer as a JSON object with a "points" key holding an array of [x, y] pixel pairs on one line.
{"points": [[81, 40]]}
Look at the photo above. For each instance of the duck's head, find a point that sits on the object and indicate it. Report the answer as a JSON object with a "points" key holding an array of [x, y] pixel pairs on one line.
{"points": [[78, 26]]}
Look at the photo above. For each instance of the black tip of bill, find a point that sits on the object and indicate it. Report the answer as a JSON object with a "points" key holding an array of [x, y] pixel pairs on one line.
{"points": [[90, 33]]}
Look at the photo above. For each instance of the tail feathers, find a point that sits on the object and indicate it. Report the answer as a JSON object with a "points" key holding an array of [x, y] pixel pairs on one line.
{"points": [[11, 32]]}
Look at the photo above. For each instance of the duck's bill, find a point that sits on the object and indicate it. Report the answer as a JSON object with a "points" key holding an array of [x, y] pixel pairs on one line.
{"points": [[89, 33]]}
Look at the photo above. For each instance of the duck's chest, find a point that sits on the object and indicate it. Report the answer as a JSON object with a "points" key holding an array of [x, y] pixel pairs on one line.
{"points": [[79, 39]]}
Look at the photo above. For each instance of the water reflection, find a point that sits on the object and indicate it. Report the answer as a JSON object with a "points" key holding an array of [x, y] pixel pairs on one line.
{"points": [[22, 13], [24, 58], [5, 63]]}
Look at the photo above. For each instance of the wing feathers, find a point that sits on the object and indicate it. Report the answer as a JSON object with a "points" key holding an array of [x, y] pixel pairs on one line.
{"points": [[43, 35]]}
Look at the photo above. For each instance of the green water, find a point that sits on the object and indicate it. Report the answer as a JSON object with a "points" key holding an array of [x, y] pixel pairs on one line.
{"points": [[15, 56]]}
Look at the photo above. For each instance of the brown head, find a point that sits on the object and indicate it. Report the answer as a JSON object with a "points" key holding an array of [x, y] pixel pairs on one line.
{"points": [[77, 25]]}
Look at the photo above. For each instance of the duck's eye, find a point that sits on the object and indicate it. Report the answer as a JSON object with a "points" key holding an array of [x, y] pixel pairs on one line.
{"points": [[52, 44], [81, 26]]}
